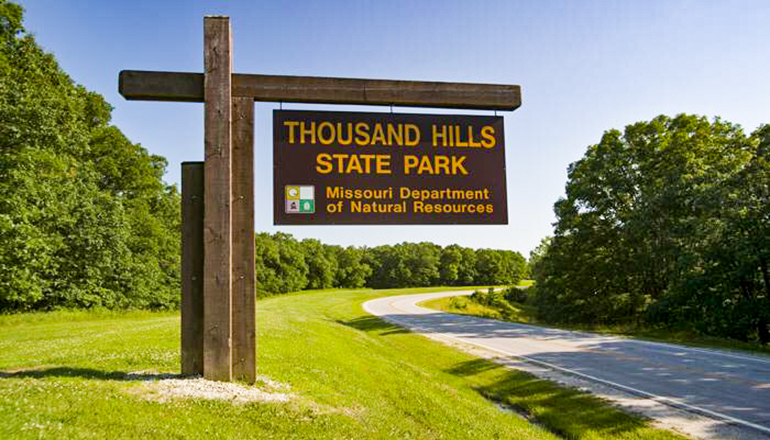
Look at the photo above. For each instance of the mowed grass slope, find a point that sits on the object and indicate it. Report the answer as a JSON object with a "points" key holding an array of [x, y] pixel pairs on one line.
{"points": [[63, 375]]}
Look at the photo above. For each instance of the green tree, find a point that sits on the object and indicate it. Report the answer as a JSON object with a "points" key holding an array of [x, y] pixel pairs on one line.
{"points": [[449, 264], [404, 265], [514, 268], [489, 266], [423, 261], [654, 226], [321, 263], [352, 269], [536, 255], [466, 269], [85, 219], [734, 274], [280, 264]]}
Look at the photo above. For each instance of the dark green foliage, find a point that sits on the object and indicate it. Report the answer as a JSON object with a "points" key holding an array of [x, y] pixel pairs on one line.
{"points": [[491, 297], [466, 268], [85, 219], [426, 264], [535, 255], [280, 264], [515, 295], [450, 259], [351, 269], [499, 267], [284, 265], [321, 263], [392, 266], [667, 222], [405, 265], [497, 300]]}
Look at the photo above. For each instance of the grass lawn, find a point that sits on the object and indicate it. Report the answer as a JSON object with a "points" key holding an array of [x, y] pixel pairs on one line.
{"points": [[463, 305], [63, 375], [524, 314]]}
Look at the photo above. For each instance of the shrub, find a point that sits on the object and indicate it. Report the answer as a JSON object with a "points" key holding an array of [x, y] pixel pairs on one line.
{"points": [[514, 294]]}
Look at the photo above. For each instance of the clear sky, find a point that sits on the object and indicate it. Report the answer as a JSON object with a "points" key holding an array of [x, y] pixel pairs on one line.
{"points": [[584, 67]]}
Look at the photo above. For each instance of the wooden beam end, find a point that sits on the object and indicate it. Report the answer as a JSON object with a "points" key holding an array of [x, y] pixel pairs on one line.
{"points": [[138, 85]]}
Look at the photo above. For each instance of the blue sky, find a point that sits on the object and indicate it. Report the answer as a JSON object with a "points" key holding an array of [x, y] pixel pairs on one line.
{"points": [[584, 67]]}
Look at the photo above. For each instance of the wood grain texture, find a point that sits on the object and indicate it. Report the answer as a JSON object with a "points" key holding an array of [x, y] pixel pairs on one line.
{"points": [[217, 363], [192, 268], [244, 281], [138, 85], [180, 86]]}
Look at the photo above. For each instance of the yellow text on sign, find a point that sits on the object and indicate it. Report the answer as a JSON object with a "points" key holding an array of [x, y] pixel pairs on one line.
{"points": [[361, 133], [353, 163], [343, 163], [451, 165]]}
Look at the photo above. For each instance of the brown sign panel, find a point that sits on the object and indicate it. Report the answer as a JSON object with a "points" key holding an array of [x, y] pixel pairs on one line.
{"points": [[385, 168]]}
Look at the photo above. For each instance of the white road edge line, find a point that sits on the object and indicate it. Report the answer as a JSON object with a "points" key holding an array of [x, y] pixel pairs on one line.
{"points": [[751, 358], [747, 357], [702, 350], [662, 399]]}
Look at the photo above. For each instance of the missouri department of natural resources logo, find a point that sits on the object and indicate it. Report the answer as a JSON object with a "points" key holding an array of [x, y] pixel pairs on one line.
{"points": [[300, 199]]}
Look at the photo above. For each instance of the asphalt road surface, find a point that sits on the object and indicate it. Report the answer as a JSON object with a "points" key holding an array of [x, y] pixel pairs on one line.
{"points": [[726, 386]]}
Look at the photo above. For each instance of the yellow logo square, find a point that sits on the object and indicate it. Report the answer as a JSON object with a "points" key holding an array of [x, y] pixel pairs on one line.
{"points": [[292, 193]]}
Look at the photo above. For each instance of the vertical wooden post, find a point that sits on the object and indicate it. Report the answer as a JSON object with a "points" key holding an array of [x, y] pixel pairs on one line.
{"points": [[192, 268], [244, 294], [217, 46]]}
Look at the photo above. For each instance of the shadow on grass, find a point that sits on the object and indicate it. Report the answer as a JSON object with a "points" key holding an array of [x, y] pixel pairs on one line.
{"points": [[473, 367], [564, 411], [374, 324], [87, 373]]}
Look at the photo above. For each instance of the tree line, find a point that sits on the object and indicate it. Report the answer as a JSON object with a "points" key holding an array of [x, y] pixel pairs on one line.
{"points": [[666, 224], [87, 221], [284, 264], [85, 217]]}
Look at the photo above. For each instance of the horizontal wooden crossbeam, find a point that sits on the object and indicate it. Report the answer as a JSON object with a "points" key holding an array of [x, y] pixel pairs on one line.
{"points": [[180, 86]]}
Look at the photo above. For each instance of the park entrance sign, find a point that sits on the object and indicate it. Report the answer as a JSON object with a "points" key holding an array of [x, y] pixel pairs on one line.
{"points": [[385, 168], [218, 279]]}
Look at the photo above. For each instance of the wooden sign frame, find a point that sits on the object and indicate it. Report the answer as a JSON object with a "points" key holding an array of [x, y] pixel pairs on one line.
{"points": [[218, 287]]}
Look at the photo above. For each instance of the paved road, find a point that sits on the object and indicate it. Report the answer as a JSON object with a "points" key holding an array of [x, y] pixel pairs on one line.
{"points": [[721, 385]]}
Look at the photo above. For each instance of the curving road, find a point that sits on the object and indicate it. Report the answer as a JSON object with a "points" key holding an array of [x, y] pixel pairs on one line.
{"points": [[725, 386]]}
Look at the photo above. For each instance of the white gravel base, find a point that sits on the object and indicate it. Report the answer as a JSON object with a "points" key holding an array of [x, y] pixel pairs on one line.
{"points": [[166, 387]]}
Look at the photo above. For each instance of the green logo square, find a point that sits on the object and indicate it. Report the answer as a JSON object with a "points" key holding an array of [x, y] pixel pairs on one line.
{"points": [[307, 206]]}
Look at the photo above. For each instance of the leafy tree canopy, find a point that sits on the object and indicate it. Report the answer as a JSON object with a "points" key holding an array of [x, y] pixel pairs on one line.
{"points": [[665, 222], [85, 219]]}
